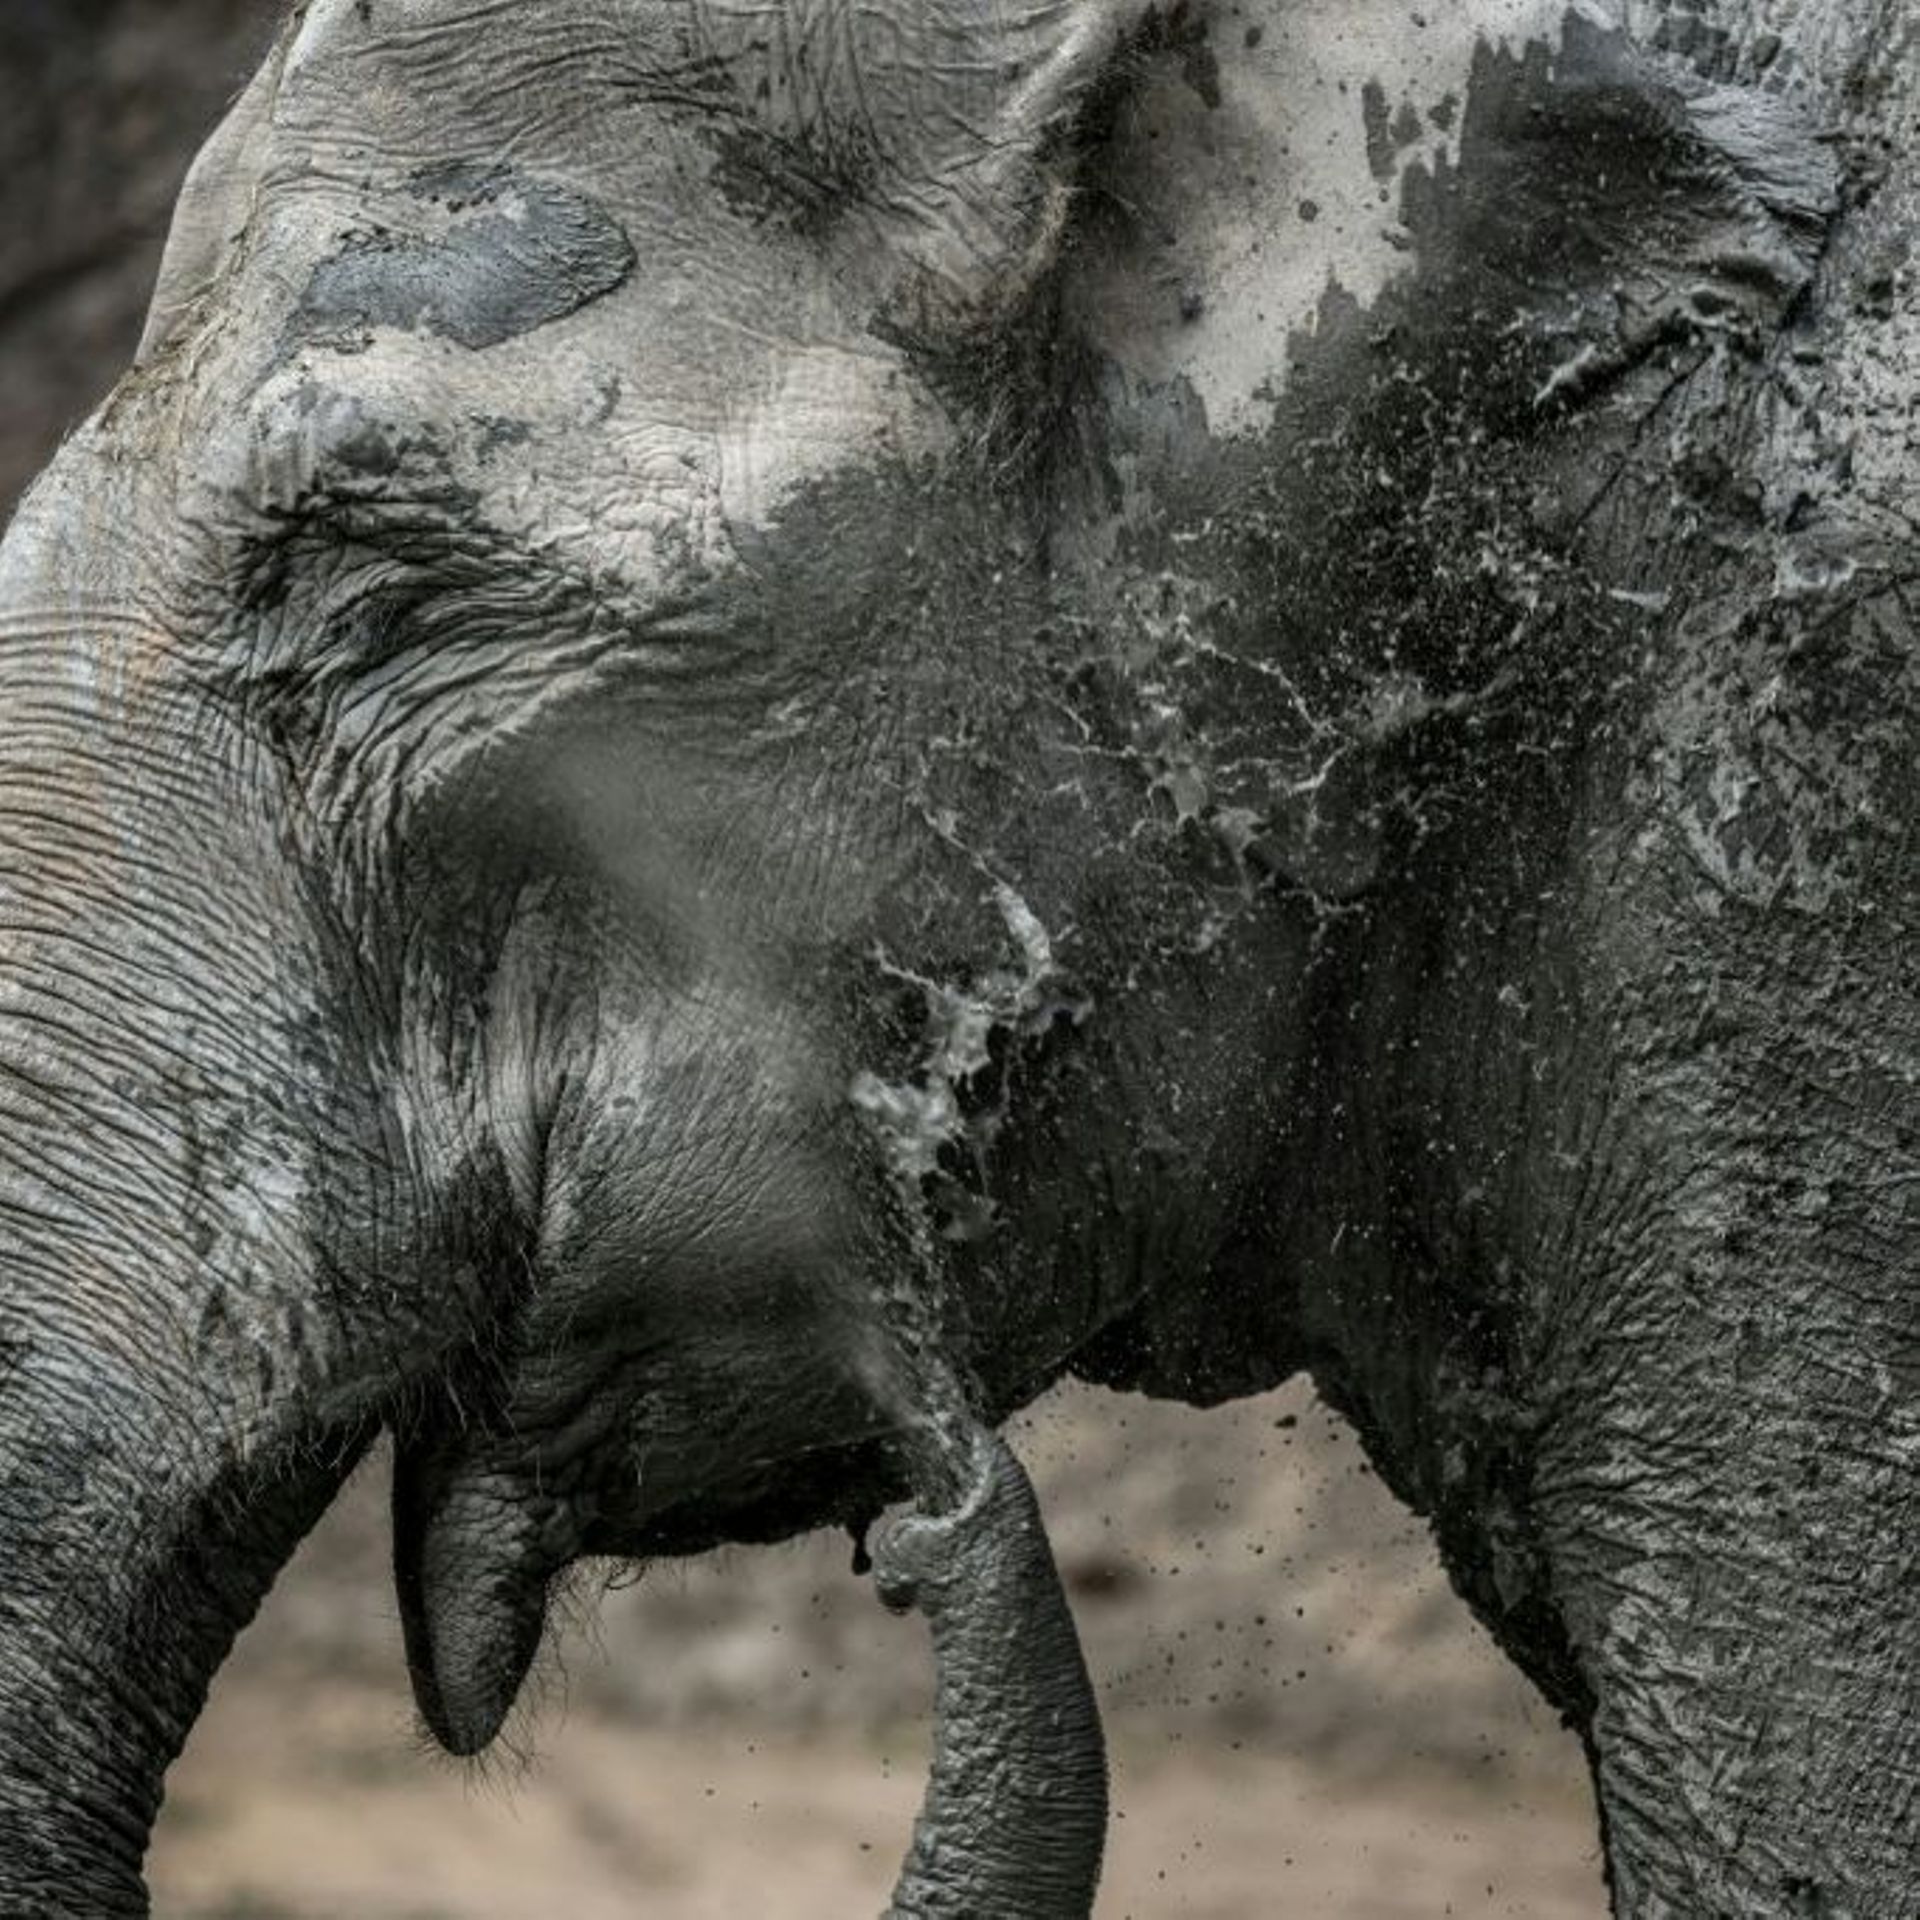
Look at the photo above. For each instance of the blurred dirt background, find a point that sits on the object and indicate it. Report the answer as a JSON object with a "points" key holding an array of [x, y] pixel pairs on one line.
{"points": [[1303, 1718]]}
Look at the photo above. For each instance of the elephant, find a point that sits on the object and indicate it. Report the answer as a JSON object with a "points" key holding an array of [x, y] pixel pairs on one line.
{"points": [[762, 721]]}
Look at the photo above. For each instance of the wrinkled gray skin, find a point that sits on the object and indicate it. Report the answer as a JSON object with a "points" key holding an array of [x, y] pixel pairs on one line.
{"points": [[1016, 1813], [764, 720]]}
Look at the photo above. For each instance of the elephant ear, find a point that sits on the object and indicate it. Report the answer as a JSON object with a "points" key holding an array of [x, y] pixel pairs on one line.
{"points": [[925, 142], [1368, 318]]}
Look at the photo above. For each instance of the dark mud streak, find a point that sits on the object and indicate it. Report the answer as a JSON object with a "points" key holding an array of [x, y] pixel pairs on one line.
{"points": [[1377, 119], [520, 254]]}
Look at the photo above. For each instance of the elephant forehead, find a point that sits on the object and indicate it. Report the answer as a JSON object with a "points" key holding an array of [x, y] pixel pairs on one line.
{"points": [[533, 288], [1293, 142], [612, 384]]}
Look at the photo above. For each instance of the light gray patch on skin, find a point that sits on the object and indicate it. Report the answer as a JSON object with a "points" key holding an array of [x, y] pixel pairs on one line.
{"points": [[916, 1120], [516, 254]]}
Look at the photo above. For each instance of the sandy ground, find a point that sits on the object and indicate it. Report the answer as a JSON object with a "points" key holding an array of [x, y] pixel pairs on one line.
{"points": [[325, 1813], [1303, 1720]]}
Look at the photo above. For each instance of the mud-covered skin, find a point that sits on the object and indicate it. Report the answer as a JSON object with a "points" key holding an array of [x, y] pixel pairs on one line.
{"points": [[1016, 1812], [1606, 1228], [1613, 1090], [789, 765]]}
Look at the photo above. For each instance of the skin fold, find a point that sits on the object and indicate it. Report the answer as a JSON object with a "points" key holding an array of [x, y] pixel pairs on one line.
{"points": [[765, 720]]}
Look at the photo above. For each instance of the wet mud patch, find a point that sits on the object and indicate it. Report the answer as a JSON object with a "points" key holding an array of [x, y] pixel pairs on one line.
{"points": [[512, 253]]}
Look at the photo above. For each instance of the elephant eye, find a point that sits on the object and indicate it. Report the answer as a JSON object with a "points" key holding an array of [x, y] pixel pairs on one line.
{"points": [[293, 670], [377, 630]]}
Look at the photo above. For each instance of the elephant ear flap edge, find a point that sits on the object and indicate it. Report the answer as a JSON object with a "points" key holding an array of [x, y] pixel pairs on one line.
{"points": [[1719, 198], [1779, 191]]}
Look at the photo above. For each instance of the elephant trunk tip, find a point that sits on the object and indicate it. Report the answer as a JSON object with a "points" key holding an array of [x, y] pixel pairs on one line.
{"points": [[472, 1583]]}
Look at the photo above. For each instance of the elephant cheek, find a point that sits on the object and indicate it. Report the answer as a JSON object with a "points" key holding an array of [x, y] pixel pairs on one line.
{"points": [[473, 1560]]}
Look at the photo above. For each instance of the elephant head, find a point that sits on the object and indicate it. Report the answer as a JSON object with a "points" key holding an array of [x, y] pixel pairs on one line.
{"points": [[520, 927], [762, 721]]}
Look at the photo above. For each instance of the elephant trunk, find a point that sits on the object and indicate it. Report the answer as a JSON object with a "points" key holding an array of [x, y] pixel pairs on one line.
{"points": [[1014, 1822], [132, 1558]]}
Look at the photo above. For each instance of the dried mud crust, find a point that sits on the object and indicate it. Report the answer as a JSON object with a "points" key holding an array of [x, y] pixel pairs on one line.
{"points": [[753, 1730]]}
